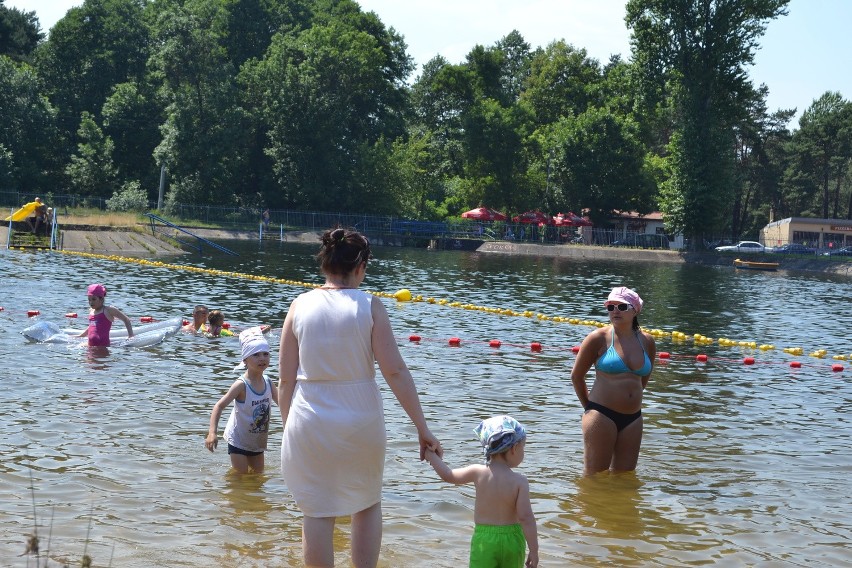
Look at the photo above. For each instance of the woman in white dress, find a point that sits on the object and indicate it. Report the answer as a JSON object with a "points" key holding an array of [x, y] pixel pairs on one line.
{"points": [[333, 449]]}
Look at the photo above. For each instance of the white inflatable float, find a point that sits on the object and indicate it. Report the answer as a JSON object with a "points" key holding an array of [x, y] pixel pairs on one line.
{"points": [[143, 335]]}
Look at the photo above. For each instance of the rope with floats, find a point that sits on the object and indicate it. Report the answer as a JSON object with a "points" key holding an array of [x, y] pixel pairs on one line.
{"points": [[405, 295]]}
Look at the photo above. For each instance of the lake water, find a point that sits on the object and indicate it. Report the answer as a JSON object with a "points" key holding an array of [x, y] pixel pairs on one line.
{"points": [[740, 464]]}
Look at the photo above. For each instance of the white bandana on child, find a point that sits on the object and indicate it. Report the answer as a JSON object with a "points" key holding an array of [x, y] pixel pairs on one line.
{"points": [[252, 341]]}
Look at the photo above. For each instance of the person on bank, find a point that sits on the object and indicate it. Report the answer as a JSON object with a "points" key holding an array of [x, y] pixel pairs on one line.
{"points": [[623, 357], [101, 317], [247, 430], [333, 448], [38, 220], [199, 320], [505, 523]]}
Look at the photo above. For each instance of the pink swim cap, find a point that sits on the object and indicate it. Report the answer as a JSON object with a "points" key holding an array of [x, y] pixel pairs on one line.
{"points": [[96, 290], [623, 295]]}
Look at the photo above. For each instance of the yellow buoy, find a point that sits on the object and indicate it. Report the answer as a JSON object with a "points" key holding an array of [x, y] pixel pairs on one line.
{"points": [[403, 295]]}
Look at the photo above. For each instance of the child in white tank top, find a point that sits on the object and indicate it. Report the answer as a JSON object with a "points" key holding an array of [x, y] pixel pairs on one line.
{"points": [[247, 429]]}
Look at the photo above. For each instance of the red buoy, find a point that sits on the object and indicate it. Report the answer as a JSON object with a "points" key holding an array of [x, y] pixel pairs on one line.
{"points": [[71, 315], [226, 325], [837, 367], [32, 313], [795, 364], [748, 361], [146, 319], [455, 341], [414, 338], [535, 346], [664, 355], [1, 308], [702, 358], [575, 349], [184, 322], [495, 343]]}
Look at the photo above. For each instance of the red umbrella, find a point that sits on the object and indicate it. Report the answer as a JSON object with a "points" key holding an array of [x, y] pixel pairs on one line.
{"points": [[484, 214], [533, 217], [571, 220]]}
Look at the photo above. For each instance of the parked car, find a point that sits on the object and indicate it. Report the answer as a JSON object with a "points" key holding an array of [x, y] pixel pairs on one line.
{"points": [[792, 248], [743, 246], [711, 245], [644, 240], [845, 251]]}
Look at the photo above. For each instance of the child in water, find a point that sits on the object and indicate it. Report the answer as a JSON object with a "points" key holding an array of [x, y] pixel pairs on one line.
{"points": [[101, 317], [505, 524], [248, 426], [215, 321]]}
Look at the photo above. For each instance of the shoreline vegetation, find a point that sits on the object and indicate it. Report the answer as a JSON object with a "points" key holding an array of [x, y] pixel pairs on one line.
{"points": [[125, 234]]}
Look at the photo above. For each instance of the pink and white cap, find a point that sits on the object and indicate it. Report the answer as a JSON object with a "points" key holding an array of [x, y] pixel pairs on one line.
{"points": [[624, 295]]}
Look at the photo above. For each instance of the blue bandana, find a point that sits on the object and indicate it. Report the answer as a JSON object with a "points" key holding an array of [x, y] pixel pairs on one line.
{"points": [[499, 433]]}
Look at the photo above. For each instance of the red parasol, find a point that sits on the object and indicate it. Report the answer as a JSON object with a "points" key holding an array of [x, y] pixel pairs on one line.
{"points": [[571, 220], [484, 214], [533, 217]]}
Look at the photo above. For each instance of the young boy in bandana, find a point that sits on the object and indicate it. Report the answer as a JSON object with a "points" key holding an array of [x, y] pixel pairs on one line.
{"points": [[505, 524], [248, 426]]}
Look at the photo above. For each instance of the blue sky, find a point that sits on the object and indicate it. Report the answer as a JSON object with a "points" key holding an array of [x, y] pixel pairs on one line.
{"points": [[803, 54]]}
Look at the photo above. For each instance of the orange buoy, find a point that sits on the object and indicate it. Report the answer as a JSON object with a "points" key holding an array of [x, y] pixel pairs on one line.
{"points": [[414, 338], [575, 349], [702, 358], [455, 341], [32, 313], [146, 319], [664, 355], [495, 343], [795, 364], [748, 361], [837, 367], [226, 325], [535, 346]]}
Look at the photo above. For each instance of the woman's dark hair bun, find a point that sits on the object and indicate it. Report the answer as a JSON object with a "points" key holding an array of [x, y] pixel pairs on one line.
{"points": [[338, 234]]}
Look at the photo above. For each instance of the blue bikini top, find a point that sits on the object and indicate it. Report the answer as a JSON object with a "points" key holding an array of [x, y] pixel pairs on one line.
{"points": [[611, 362]]}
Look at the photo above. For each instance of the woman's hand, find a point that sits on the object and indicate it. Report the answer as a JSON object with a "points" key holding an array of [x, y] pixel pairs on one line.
{"points": [[429, 441]]}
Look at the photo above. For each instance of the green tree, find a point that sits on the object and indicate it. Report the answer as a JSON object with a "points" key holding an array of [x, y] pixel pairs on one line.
{"points": [[20, 33], [131, 119], [93, 48], [822, 147], [562, 82], [203, 136], [28, 135], [91, 171], [329, 94], [599, 163], [695, 52]]}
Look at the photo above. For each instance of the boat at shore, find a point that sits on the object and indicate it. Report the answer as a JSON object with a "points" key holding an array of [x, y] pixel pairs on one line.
{"points": [[753, 265]]}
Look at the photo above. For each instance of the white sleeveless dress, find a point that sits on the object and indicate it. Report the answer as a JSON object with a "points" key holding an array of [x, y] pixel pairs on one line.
{"points": [[333, 449]]}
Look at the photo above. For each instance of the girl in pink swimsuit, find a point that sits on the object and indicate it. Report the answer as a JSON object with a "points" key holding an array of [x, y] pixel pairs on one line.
{"points": [[101, 317]]}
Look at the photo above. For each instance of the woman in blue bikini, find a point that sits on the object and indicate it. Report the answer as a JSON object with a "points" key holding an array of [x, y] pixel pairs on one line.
{"points": [[623, 357]]}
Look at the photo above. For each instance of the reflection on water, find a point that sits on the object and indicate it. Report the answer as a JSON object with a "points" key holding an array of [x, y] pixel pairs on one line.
{"points": [[740, 465]]}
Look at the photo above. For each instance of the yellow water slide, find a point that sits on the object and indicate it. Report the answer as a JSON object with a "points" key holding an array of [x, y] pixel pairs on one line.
{"points": [[24, 212]]}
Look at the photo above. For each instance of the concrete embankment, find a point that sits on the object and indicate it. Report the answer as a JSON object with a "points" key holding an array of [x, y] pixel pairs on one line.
{"points": [[138, 241], [710, 258]]}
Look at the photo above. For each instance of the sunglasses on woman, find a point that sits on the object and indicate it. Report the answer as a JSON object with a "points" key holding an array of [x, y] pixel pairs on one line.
{"points": [[621, 307]]}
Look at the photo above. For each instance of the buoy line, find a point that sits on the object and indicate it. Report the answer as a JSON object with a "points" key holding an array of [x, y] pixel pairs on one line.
{"points": [[405, 295]]}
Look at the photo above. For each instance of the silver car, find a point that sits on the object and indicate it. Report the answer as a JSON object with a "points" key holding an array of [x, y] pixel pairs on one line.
{"points": [[743, 246]]}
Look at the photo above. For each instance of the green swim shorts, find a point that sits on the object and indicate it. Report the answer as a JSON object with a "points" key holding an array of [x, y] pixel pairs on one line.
{"points": [[498, 546]]}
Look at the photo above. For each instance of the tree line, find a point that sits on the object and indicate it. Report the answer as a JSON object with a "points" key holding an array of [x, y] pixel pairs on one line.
{"points": [[311, 105]]}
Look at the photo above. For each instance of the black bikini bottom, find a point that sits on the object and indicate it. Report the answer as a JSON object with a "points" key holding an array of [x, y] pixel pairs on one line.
{"points": [[621, 420]]}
